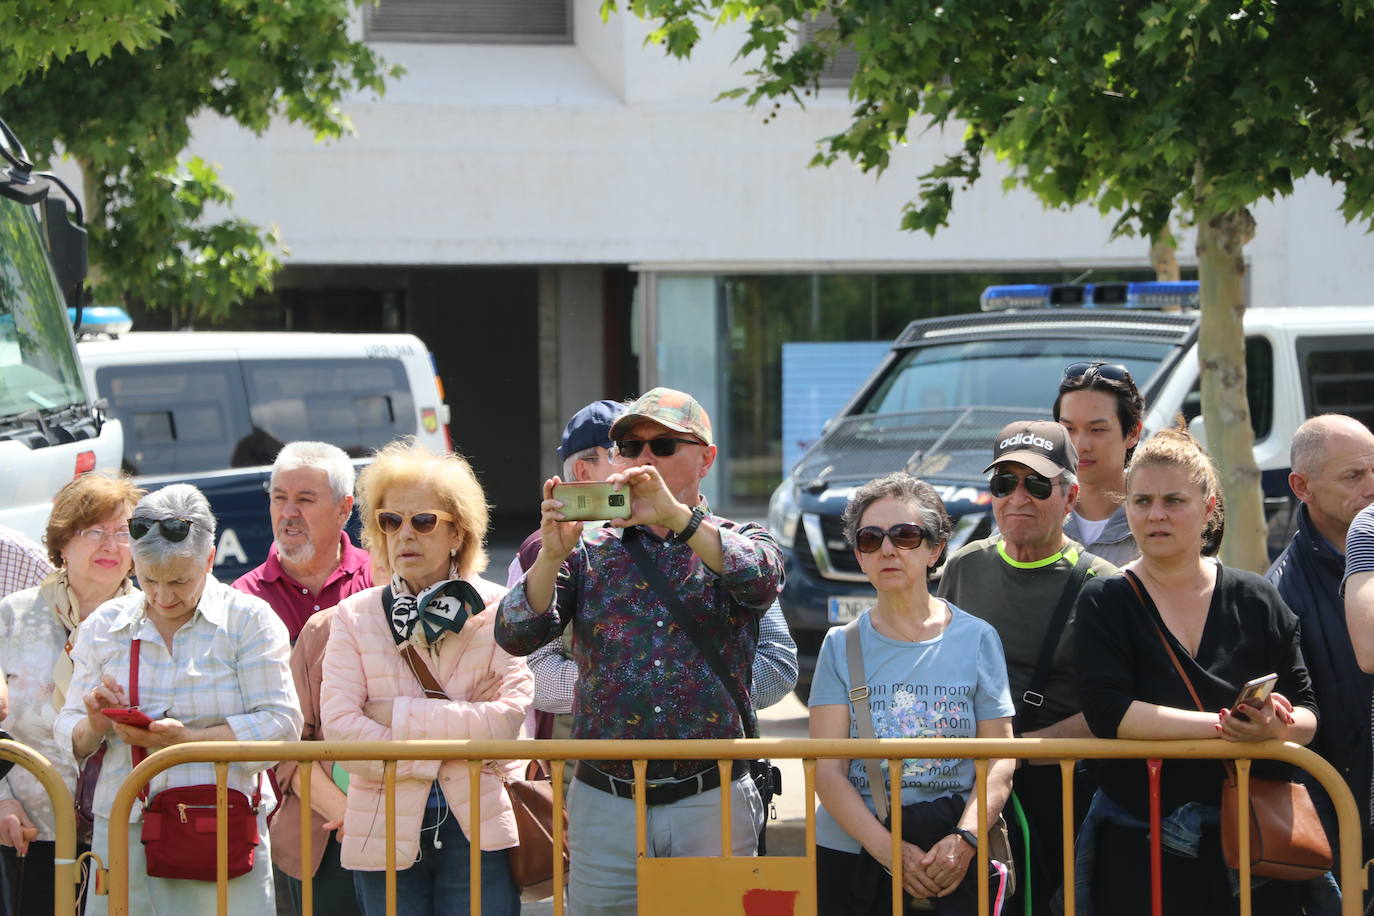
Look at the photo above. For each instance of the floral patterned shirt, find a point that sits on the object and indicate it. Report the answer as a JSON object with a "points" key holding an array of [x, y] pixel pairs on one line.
{"points": [[639, 674]]}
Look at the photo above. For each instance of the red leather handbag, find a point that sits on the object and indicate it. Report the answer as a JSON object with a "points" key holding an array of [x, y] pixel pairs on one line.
{"points": [[180, 825]]}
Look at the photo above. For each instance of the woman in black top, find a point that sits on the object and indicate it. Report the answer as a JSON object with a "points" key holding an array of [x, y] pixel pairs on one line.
{"points": [[1226, 627]]}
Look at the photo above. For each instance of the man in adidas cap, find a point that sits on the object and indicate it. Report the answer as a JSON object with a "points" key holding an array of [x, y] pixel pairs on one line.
{"points": [[1023, 580]]}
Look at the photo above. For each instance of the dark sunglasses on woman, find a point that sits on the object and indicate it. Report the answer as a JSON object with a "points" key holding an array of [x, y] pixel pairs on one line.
{"points": [[173, 529], [663, 447], [904, 535], [1004, 484], [1113, 371], [421, 522]]}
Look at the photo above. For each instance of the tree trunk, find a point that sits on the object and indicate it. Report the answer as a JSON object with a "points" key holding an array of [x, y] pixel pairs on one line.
{"points": [[1164, 255], [1221, 239]]}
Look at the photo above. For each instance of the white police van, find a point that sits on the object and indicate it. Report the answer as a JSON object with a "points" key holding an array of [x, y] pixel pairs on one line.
{"points": [[949, 384], [50, 429], [212, 408]]}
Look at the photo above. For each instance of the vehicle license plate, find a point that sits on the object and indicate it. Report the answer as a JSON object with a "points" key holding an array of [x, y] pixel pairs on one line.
{"points": [[843, 610]]}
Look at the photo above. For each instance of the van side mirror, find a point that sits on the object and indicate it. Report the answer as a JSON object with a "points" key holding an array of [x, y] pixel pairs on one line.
{"points": [[1198, 431], [67, 245]]}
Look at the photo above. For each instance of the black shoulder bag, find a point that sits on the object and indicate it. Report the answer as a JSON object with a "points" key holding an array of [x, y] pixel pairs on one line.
{"points": [[767, 778], [1028, 719]]}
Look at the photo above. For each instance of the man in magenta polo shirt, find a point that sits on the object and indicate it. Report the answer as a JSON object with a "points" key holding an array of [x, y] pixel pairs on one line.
{"points": [[312, 564]]}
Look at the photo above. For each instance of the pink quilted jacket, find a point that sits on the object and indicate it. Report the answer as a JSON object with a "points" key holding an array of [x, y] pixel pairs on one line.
{"points": [[361, 663]]}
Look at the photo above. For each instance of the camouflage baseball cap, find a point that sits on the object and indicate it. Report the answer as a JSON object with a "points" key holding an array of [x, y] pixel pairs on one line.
{"points": [[676, 410]]}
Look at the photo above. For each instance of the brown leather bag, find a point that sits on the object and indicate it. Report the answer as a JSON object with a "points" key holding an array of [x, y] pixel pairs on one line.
{"points": [[531, 862], [1287, 840]]}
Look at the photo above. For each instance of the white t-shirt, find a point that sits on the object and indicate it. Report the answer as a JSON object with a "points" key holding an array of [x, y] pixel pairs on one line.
{"points": [[1089, 532], [939, 688]]}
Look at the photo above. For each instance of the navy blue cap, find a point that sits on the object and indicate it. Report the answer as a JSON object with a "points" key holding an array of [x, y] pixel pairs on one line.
{"points": [[589, 427]]}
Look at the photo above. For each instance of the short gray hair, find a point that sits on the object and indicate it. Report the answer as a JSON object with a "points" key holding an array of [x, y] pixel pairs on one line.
{"points": [[179, 500], [587, 454], [318, 456], [905, 488], [1307, 452], [1069, 479]]}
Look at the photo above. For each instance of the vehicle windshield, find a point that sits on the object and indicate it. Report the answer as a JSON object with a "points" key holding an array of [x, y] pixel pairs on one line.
{"points": [[1000, 373], [38, 367]]}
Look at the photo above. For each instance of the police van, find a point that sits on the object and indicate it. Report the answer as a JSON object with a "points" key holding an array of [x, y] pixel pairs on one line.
{"points": [[50, 427], [212, 408], [947, 385]]}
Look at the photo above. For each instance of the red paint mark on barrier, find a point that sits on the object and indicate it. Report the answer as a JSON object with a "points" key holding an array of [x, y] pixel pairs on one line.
{"points": [[760, 902]]}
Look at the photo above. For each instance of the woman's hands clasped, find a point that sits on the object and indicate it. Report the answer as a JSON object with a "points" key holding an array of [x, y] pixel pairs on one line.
{"points": [[930, 873], [1257, 723]]}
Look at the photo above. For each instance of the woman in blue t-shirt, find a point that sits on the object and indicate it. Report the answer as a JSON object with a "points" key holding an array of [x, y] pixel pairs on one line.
{"points": [[931, 671]]}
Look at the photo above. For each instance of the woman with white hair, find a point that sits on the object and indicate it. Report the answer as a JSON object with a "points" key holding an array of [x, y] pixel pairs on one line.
{"points": [[211, 666]]}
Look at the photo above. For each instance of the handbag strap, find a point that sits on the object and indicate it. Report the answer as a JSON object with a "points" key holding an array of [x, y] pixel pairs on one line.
{"points": [[1033, 699], [659, 583], [1164, 640], [863, 714], [418, 666], [139, 754]]}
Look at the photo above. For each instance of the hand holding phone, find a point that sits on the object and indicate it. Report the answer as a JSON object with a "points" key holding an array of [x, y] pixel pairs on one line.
{"points": [[127, 715], [1254, 694]]}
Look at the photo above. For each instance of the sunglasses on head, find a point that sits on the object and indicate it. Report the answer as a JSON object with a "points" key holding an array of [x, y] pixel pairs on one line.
{"points": [[904, 535], [1113, 371], [1004, 484], [422, 522], [663, 447], [173, 529]]}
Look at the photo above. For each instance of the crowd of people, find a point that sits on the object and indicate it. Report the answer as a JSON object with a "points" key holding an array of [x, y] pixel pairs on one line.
{"points": [[1097, 608]]}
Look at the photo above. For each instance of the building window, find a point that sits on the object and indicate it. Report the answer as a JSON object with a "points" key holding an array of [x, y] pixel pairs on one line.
{"points": [[840, 71], [496, 21]]}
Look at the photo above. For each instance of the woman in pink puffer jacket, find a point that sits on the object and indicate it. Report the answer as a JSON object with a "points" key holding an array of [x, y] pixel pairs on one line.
{"points": [[427, 515]]}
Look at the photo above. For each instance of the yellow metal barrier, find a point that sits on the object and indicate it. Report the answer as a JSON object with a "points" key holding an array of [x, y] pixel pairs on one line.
{"points": [[712, 881], [64, 846]]}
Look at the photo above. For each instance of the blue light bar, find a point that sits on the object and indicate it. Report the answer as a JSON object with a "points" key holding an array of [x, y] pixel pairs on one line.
{"points": [[1166, 297], [1024, 296], [102, 319]]}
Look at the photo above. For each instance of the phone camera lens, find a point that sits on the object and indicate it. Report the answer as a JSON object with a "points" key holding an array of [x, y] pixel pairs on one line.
{"points": [[616, 499]]}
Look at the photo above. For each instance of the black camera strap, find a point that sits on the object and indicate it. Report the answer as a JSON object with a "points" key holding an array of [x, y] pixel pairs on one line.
{"points": [[1033, 700], [659, 582]]}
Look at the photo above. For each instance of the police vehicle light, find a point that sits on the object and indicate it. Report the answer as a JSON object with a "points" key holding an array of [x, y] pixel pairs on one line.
{"points": [[1023, 296], [1168, 297], [102, 319]]}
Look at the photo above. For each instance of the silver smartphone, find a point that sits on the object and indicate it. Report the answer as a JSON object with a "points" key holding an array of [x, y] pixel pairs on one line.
{"points": [[592, 501], [1256, 691]]}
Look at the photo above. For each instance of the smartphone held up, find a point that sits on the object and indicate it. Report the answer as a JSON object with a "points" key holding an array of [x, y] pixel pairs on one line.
{"points": [[592, 501]]}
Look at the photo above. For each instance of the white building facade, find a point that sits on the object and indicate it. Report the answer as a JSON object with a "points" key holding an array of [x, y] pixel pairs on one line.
{"points": [[564, 214]]}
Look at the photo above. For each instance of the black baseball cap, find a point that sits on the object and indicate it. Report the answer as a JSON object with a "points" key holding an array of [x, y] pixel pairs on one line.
{"points": [[1041, 445], [589, 427]]}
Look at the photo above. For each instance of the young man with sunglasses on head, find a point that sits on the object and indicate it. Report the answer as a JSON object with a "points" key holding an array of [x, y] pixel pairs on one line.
{"points": [[1024, 580], [640, 673]]}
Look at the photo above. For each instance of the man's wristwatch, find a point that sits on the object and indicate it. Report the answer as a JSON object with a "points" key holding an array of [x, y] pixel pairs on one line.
{"points": [[968, 836], [685, 535]]}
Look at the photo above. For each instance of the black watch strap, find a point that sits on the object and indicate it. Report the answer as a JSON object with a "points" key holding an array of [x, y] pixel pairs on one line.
{"points": [[968, 836], [685, 535]]}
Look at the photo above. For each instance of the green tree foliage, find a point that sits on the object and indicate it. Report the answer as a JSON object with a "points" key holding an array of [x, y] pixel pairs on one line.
{"points": [[38, 32], [1140, 109], [125, 119]]}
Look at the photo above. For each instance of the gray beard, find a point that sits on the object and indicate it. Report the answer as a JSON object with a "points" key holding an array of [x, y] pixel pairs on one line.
{"points": [[302, 553]]}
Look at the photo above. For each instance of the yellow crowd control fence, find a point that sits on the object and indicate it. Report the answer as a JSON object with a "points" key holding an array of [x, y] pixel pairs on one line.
{"points": [[725, 885], [64, 845]]}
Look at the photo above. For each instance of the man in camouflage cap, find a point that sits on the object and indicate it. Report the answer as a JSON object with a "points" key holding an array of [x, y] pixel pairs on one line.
{"points": [[640, 675]]}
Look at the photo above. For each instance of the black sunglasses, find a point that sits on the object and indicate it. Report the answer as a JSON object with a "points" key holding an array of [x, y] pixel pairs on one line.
{"points": [[663, 447], [422, 522], [904, 535], [1004, 484], [173, 529], [1113, 371]]}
